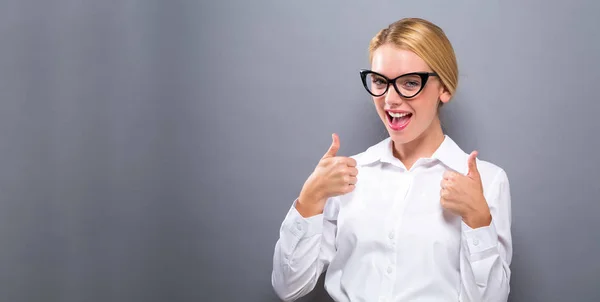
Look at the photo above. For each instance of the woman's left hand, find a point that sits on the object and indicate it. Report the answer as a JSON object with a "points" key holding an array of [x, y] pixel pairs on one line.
{"points": [[463, 195]]}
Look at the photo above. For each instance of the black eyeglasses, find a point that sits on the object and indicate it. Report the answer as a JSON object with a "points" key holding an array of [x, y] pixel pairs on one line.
{"points": [[407, 85]]}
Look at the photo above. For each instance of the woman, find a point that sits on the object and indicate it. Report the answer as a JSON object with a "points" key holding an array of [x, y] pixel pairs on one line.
{"points": [[413, 217]]}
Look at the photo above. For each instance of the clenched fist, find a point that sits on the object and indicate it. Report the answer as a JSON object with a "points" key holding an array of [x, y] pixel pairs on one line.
{"points": [[463, 195], [333, 176]]}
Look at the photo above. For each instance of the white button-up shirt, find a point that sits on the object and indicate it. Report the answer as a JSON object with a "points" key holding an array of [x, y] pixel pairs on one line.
{"points": [[391, 240]]}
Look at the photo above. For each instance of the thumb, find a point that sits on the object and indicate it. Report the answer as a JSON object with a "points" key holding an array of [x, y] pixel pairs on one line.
{"points": [[335, 146], [472, 163]]}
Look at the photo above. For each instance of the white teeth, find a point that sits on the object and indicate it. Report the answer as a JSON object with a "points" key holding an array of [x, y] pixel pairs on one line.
{"points": [[392, 114]]}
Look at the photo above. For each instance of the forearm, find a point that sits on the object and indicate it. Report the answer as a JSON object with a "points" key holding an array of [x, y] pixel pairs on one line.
{"points": [[487, 260], [301, 254]]}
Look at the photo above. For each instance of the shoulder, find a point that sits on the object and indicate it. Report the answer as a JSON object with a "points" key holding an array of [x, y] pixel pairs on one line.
{"points": [[492, 175], [458, 159]]}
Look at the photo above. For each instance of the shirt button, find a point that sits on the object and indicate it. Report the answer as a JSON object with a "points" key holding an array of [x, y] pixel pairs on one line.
{"points": [[391, 235], [298, 226], [389, 270], [475, 242]]}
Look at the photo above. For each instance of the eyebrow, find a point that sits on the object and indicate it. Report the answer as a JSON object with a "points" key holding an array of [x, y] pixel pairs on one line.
{"points": [[403, 74]]}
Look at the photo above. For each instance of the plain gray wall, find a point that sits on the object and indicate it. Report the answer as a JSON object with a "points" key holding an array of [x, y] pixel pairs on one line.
{"points": [[150, 149]]}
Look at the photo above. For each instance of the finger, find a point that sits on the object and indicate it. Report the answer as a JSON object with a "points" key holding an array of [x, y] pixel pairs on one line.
{"points": [[446, 199], [350, 162], [346, 162], [449, 174], [349, 188], [445, 203], [335, 146], [352, 180], [352, 171], [444, 194], [450, 206], [472, 163], [448, 185]]}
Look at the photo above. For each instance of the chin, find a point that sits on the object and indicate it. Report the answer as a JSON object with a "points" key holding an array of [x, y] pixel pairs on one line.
{"points": [[403, 137]]}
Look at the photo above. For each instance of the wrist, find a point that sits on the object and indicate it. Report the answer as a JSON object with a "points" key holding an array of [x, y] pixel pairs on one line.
{"points": [[310, 193], [308, 209], [310, 203], [478, 220]]}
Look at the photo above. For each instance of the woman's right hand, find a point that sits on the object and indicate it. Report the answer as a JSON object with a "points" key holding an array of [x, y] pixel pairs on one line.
{"points": [[333, 176]]}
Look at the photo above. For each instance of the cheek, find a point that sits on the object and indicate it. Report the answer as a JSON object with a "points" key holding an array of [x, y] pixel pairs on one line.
{"points": [[426, 105], [424, 111], [379, 103]]}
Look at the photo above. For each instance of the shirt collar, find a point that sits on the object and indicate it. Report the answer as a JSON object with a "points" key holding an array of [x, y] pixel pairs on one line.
{"points": [[451, 155], [448, 153]]}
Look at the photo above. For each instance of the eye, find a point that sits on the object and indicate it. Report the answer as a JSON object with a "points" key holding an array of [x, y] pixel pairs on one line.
{"points": [[410, 83], [378, 81]]}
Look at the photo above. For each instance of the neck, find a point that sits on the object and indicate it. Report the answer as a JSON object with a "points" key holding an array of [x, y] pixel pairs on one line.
{"points": [[421, 147]]}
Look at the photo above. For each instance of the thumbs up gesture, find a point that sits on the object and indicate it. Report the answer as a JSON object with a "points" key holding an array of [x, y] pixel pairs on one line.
{"points": [[333, 176], [463, 195]]}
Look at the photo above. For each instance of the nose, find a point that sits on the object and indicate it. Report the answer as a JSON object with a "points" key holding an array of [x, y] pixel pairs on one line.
{"points": [[392, 98]]}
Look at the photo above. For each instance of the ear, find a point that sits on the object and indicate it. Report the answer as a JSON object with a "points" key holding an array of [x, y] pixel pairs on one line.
{"points": [[445, 95]]}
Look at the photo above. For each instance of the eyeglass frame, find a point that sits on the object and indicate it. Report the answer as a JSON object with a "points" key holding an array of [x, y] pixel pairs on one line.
{"points": [[424, 75]]}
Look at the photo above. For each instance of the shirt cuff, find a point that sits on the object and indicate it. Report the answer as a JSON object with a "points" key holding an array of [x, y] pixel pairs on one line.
{"points": [[302, 227], [480, 239]]}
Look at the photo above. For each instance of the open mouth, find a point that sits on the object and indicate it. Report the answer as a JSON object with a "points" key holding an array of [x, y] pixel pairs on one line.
{"points": [[398, 120]]}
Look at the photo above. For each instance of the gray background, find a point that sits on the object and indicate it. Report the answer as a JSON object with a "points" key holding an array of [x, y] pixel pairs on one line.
{"points": [[150, 149]]}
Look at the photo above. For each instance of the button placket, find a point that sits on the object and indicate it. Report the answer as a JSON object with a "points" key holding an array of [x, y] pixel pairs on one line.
{"points": [[398, 186]]}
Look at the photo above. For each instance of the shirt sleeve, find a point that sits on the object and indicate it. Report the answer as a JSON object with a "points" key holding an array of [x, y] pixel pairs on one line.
{"points": [[303, 251], [488, 250]]}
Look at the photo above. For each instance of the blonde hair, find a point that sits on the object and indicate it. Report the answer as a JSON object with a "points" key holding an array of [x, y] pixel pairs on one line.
{"points": [[426, 40]]}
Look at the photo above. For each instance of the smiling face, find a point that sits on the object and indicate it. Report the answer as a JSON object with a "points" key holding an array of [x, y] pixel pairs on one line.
{"points": [[406, 119]]}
